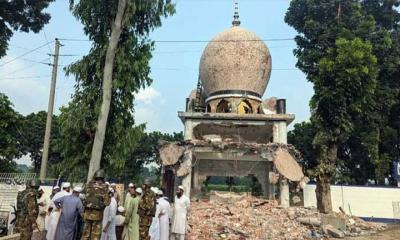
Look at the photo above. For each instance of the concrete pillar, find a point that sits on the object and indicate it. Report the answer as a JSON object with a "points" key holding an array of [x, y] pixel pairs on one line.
{"points": [[280, 136], [196, 187], [284, 199], [188, 133], [187, 182], [280, 132]]}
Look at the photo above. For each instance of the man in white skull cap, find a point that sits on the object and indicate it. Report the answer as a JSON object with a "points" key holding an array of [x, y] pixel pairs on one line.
{"points": [[119, 222], [43, 203], [179, 220], [164, 215], [109, 218], [131, 230], [131, 187], [71, 206], [66, 190], [53, 218]]}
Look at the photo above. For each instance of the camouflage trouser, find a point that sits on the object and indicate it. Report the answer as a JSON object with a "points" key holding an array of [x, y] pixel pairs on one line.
{"points": [[91, 230], [18, 224], [26, 230], [144, 225], [144, 232]]}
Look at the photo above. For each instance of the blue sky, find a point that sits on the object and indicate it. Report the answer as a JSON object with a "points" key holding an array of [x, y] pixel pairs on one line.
{"points": [[174, 65]]}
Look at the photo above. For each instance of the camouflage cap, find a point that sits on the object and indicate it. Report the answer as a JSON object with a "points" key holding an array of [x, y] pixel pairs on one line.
{"points": [[99, 174], [34, 183]]}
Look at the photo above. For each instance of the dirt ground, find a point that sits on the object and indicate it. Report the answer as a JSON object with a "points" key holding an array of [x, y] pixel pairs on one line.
{"points": [[392, 233]]}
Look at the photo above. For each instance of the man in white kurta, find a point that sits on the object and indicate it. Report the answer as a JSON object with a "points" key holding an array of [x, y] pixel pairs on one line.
{"points": [[164, 215], [43, 202], [53, 218], [179, 220], [108, 223]]}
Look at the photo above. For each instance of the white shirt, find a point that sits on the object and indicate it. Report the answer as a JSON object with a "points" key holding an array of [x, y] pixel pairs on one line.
{"points": [[119, 220], [181, 208], [165, 209], [42, 210], [109, 216], [51, 221], [58, 195]]}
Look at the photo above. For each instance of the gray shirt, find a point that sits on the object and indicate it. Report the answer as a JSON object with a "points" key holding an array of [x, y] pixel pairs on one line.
{"points": [[67, 226]]}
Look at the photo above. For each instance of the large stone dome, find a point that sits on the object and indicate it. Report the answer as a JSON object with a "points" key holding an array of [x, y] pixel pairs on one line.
{"points": [[236, 61]]}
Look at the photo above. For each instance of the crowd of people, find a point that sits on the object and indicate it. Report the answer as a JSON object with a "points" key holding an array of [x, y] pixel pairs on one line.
{"points": [[100, 211]]}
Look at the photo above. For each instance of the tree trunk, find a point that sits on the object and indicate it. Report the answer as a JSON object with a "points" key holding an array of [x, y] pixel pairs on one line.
{"points": [[324, 178], [98, 143]]}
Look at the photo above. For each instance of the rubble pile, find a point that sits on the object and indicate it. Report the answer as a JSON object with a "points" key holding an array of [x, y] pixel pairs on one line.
{"points": [[250, 218], [255, 218]]}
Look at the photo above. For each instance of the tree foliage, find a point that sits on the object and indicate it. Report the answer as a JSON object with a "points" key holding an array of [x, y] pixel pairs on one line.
{"points": [[372, 143], [302, 137], [130, 73], [10, 146], [347, 50], [33, 128], [147, 153], [18, 15]]}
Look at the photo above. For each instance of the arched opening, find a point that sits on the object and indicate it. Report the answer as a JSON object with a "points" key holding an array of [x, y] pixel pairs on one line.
{"points": [[223, 107], [244, 108], [208, 108]]}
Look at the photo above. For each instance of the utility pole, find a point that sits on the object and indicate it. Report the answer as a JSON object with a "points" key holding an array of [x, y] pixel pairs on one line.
{"points": [[46, 144]]}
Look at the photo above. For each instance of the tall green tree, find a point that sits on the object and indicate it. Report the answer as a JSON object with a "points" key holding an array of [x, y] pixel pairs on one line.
{"points": [[386, 47], [146, 153], [18, 15], [32, 137], [335, 53], [302, 137], [112, 73], [10, 146]]}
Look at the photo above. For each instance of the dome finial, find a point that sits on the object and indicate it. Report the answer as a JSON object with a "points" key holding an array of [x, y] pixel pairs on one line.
{"points": [[236, 20]]}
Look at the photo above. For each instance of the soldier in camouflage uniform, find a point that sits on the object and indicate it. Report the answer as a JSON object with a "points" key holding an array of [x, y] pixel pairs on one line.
{"points": [[28, 210], [96, 199], [146, 210], [21, 212]]}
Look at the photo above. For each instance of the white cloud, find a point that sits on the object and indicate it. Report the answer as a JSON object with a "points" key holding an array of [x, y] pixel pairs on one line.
{"points": [[21, 84], [149, 116], [147, 95]]}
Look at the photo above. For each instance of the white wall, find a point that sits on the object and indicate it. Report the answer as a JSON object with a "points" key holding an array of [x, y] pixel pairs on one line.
{"points": [[374, 202]]}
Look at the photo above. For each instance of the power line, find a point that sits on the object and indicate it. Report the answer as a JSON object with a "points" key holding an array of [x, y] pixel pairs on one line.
{"points": [[25, 48], [34, 61], [45, 38], [197, 41], [28, 77], [24, 68], [24, 54]]}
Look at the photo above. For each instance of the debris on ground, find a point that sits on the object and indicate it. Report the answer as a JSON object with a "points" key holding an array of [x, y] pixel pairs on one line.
{"points": [[256, 218]]}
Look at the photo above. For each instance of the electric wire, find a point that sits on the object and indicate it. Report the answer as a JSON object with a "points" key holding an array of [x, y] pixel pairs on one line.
{"points": [[24, 68], [196, 41], [28, 77], [24, 54], [25, 48], [34, 61], [45, 38]]}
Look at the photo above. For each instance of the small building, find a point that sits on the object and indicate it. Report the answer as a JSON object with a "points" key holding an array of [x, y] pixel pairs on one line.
{"points": [[229, 130]]}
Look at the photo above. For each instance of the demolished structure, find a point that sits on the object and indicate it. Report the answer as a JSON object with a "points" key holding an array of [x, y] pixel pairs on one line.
{"points": [[229, 129]]}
